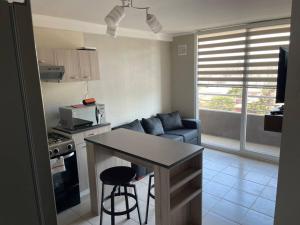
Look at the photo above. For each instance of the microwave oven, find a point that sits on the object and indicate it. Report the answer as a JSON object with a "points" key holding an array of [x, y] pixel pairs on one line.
{"points": [[82, 116]]}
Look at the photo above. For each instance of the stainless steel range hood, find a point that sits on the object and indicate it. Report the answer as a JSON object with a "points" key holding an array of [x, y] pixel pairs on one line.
{"points": [[51, 72]]}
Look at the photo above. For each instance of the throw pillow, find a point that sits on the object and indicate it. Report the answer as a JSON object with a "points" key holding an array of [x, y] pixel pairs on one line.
{"points": [[134, 125], [170, 121], [153, 126]]}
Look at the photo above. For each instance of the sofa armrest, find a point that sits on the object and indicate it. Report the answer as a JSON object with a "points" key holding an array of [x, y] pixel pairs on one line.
{"points": [[191, 123]]}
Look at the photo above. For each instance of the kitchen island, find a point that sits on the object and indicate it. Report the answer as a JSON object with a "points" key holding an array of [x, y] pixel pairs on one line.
{"points": [[177, 169]]}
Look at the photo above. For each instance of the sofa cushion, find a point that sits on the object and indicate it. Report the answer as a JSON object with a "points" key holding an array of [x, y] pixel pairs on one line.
{"points": [[153, 126], [172, 137], [191, 123], [170, 121], [187, 134], [194, 141], [134, 125]]}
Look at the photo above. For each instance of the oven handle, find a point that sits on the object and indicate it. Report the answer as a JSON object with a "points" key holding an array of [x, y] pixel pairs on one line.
{"points": [[69, 155]]}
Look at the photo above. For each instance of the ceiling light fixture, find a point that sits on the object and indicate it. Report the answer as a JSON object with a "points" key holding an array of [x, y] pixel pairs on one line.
{"points": [[117, 14]]}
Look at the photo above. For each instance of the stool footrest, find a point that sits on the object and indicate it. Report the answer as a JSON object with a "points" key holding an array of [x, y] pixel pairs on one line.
{"points": [[120, 213]]}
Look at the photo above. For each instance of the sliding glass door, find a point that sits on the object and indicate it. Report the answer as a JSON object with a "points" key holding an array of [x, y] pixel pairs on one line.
{"points": [[237, 72], [220, 81]]}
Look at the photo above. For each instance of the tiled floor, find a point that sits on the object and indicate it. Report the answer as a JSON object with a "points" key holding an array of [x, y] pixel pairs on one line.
{"points": [[236, 191]]}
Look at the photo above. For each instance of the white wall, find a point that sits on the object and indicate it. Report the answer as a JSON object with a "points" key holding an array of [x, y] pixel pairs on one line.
{"points": [[135, 76], [288, 198], [183, 83]]}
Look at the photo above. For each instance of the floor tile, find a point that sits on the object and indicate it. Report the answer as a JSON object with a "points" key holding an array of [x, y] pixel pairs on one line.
{"points": [[273, 183], [264, 206], [245, 163], [266, 169], [230, 211], [204, 213], [236, 172], [255, 218], [214, 219], [217, 166], [269, 193], [209, 174], [142, 206], [241, 198], [80, 222], [82, 209], [275, 175], [120, 220], [216, 189], [258, 178], [250, 187], [226, 179], [94, 220], [205, 181], [67, 217], [142, 190], [209, 201]]}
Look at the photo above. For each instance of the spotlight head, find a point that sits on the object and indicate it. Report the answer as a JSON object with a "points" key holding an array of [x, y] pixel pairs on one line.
{"points": [[115, 16], [153, 23], [112, 31]]}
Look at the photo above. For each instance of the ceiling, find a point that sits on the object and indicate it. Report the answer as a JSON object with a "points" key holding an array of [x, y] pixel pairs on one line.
{"points": [[176, 16]]}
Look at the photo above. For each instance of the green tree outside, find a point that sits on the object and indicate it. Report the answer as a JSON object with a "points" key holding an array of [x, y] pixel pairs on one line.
{"points": [[263, 105], [230, 102]]}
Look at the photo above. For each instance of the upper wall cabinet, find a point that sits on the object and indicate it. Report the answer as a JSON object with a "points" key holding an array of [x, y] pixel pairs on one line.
{"points": [[95, 72], [69, 59], [80, 65], [46, 56]]}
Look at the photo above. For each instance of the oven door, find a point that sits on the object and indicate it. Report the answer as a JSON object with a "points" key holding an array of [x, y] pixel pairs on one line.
{"points": [[66, 184]]}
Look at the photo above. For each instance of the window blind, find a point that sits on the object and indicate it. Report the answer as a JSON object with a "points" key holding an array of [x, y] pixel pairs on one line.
{"points": [[242, 56], [263, 54]]}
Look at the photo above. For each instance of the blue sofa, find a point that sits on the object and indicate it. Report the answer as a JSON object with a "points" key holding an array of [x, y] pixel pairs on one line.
{"points": [[169, 125]]}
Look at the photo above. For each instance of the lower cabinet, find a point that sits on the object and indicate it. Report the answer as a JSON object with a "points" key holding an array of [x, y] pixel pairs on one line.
{"points": [[82, 168]]}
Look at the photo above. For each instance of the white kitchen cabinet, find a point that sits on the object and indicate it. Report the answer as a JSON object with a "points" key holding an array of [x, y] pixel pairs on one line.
{"points": [[89, 65], [94, 62], [46, 56], [70, 60], [82, 167], [85, 65], [80, 65]]}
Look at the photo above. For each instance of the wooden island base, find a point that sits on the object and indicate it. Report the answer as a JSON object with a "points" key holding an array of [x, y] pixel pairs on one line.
{"points": [[178, 187]]}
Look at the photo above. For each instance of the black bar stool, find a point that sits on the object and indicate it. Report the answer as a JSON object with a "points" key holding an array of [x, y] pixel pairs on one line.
{"points": [[150, 187], [118, 177]]}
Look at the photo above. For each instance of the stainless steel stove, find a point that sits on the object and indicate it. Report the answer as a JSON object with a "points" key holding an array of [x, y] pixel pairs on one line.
{"points": [[59, 144]]}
